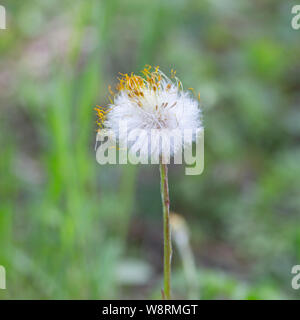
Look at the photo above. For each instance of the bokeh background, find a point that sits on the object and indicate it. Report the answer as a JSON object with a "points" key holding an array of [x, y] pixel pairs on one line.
{"points": [[72, 229]]}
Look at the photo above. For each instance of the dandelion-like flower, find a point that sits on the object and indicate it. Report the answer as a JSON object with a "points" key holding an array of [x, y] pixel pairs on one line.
{"points": [[150, 115], [154, 106]]}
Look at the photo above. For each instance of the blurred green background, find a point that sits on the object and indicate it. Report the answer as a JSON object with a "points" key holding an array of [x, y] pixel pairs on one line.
{"points": [[72, 229]]}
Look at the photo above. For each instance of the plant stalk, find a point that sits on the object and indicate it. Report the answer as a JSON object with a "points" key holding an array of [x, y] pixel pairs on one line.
{"points": [[164, 189]]}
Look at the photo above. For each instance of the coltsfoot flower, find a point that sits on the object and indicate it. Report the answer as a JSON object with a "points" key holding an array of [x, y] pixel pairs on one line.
{"points": [[151, 105], [150, 115]]}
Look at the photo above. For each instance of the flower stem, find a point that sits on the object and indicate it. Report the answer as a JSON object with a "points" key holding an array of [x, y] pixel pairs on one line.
{"points": [[164, 189]]}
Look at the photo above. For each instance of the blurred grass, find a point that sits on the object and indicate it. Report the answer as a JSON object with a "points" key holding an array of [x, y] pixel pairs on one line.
{"points": [[68, 225]]}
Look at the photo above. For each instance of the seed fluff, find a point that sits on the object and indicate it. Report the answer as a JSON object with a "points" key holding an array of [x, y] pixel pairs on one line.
{"points": [[154, 104]]}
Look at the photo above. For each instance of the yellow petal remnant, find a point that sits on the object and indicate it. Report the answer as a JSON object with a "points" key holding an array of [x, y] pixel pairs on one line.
{"points": [[148, 88], [101, 114], [134, 85]]}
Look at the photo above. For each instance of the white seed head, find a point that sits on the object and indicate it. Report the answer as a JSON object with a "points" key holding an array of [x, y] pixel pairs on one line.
{"points": [[153, 106]]}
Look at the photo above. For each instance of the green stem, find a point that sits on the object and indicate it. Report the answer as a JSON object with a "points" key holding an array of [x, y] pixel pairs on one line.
{"points": [[164, 189]]}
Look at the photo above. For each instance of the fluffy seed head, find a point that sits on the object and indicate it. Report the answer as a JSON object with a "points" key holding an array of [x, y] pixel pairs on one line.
{"points": [[150, 101]]}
